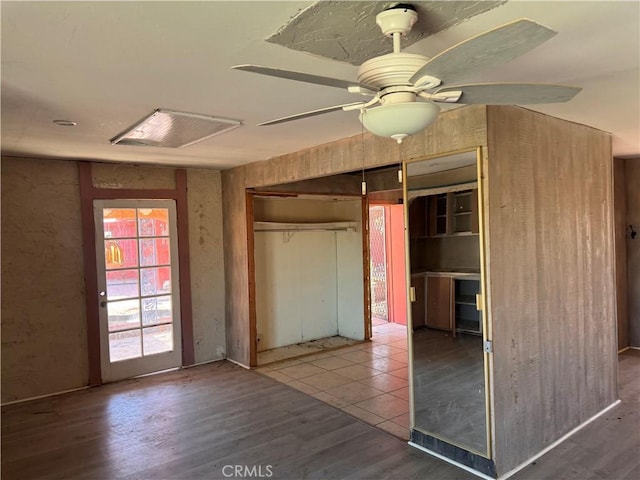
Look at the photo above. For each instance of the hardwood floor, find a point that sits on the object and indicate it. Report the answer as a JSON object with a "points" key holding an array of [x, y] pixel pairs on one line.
{"points": [[191, 424], [606, 449], [448, 381]]}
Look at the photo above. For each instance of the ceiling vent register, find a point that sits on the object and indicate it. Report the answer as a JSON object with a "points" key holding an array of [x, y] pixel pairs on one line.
{"points": [[169, 128]]}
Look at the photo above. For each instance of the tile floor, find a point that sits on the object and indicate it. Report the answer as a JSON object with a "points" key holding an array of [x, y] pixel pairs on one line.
{"points": [[368, 380]]}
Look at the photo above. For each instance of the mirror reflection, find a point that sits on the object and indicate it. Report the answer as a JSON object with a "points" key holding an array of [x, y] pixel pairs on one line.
{"points": [[448, 360]]}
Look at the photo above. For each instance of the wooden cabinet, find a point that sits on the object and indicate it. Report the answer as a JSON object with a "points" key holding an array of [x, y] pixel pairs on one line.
{"points": [[464, 211], [439, 308], [453, 213], [438, 218], [446, 303], [418, 217], [418, 303]]}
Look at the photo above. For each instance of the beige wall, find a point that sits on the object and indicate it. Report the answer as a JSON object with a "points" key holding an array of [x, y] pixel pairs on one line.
{"points": [[44, 339], [44, 344], [207, 263]]}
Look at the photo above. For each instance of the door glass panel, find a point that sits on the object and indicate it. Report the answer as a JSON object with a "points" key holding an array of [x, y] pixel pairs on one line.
{"points": [[120, 253], [124, 314], [157, 339], [124, 345], [119, 222], [156, 310], [153, 222], [154, 251], [122, 284], [155, 281]]}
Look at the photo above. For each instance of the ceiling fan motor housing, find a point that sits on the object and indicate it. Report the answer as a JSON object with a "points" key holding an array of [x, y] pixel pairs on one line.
{"points": [[399, 19], [391, 69]]}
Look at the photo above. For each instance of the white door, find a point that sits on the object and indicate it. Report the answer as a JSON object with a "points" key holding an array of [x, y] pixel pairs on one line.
{"points": [[137, 256]]}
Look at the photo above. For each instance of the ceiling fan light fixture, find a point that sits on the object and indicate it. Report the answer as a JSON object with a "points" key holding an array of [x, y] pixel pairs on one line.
{"points": [[399, 120], [170, 128]]}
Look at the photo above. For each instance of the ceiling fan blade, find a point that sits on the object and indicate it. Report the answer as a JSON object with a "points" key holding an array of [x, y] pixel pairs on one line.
{"points": [[512, 93], [312, 113], [485, 50], [302, 77]]}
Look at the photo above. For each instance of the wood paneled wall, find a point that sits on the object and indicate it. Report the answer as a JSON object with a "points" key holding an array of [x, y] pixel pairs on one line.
{"points": [[632, 187], [620, 216], [551, 283], [457, 129]]}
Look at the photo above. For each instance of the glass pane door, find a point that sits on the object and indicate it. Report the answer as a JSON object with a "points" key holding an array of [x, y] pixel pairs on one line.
{"points": [[138, 286]]}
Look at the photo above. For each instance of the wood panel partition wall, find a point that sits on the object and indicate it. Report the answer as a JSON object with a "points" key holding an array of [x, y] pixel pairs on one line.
{"points": [[454, 130], [620, 215], [549, 225], [550, 291], [632, 200]]}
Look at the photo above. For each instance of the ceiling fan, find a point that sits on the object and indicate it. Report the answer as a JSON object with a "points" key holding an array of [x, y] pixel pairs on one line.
{"points": [[406, 87]]}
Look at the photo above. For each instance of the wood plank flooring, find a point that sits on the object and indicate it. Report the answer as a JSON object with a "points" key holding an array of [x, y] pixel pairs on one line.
{"points": [[448, 381], [190, 424]]}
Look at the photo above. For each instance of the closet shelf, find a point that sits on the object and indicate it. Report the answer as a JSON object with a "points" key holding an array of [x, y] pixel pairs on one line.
{"points": [[305, 227]]}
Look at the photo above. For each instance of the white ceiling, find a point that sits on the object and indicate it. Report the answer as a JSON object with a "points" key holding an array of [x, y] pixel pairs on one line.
{"points": [[105, 65]]}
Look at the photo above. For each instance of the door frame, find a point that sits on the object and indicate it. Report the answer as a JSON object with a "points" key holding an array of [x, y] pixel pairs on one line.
{"points": [[487, 330], [89, 193], [396, 268], [112, 371], [250, 193]]}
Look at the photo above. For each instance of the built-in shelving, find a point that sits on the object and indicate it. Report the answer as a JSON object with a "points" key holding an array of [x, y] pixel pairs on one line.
{"points": [[468, 319]]}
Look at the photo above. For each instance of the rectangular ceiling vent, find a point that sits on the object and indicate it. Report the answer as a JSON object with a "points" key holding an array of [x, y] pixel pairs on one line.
{"points": [[168, 128]]}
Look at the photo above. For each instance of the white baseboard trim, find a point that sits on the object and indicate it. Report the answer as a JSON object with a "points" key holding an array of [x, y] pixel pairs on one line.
{"points": [[524, 464], [452, 462], [630, 347], [46, 395], [238, 363], [55, 394], [206, 362], [558, 442]]}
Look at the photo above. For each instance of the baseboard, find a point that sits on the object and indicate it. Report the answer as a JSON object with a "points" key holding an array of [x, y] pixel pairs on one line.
{"points": [[55, 394], [46, 395], [628, 348], [558, 442], [452, 462], [238, 363], [206, 362]]}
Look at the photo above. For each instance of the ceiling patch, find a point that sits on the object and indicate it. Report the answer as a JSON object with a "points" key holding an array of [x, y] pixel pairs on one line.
{"points": [[346, 30]]}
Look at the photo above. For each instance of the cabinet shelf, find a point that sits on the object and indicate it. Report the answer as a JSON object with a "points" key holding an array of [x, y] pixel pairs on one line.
{"points": [[467, 318], [466, 299]]}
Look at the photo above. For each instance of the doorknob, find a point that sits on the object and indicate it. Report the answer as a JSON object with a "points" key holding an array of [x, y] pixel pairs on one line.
{"points": [[102, 294]]}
